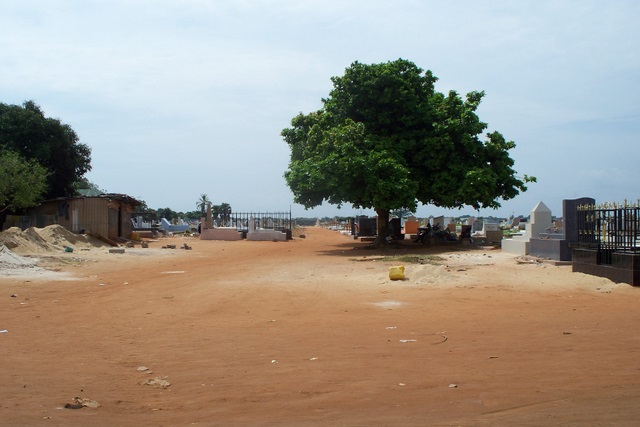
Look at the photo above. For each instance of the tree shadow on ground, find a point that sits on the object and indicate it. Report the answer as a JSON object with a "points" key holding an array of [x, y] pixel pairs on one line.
{"points": [[357, 249]]}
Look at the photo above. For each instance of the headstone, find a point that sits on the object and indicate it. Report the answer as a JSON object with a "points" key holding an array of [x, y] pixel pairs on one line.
{"points": [[539, 221], [395, 230], [491, 232], [570, 216], [489, 226], [411, 225]]}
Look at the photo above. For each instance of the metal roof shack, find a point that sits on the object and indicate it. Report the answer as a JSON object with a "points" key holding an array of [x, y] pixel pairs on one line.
{"points": [[108, 215]]}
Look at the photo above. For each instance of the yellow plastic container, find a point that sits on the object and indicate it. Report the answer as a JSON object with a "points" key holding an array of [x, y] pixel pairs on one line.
{"points": [[396, 273]]}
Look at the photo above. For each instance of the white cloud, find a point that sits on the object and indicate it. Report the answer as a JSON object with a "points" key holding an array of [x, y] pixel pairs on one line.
{"points": [[203, 88]]}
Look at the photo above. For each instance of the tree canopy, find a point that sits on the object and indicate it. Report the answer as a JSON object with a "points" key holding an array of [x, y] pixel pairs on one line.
{"points": [[386, 139], [221, 211], [202, 204], [47, 141], [22, 182]]}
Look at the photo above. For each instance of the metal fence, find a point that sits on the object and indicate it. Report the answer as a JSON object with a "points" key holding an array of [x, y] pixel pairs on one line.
{"points": [[609, 228], [262, 220]]}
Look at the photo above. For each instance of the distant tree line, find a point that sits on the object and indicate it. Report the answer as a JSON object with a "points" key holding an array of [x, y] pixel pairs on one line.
{"points": [[218, 212]]}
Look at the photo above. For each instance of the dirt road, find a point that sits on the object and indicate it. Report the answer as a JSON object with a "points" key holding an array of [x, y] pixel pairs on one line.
{"points": [[313, 332]]}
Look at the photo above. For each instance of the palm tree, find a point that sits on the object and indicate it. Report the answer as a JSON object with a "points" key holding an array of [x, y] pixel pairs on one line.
{"points": [[222, 211], [203, 201]]}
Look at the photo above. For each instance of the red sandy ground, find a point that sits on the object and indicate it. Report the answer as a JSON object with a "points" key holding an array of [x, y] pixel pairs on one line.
{"points": [[301, 333]]}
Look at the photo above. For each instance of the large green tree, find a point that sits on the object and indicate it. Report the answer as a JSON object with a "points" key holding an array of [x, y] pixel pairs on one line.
{"points": [[53, 144], [386, 139]]}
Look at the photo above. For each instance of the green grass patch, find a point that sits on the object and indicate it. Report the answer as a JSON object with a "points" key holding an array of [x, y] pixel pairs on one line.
{"points": [[414, 259]]}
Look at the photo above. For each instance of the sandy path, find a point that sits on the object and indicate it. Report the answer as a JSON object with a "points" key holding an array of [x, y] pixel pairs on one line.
{"points": [[300, 333]]}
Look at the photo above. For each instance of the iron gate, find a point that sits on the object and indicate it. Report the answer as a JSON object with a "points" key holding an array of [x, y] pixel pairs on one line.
{"points": [[609, 228]]}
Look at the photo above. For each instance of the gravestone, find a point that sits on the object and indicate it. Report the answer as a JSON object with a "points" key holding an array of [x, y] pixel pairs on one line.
{"points": [[489, 226], [395, 229], [476, 226], [539, 221], [411, 225], [492, 232]]}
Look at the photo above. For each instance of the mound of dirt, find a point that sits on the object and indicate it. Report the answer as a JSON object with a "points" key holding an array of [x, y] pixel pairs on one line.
{"points": [[25, 242], [53, 238], [60, 236]]}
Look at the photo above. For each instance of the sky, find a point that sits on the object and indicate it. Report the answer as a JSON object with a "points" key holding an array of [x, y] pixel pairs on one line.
{"points": [[177, 98]]}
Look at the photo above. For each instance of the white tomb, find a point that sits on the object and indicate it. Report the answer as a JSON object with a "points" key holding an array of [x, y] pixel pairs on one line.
{"points": [[539, 222]]}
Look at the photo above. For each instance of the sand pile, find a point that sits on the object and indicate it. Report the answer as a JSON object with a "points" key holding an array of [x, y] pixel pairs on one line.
{"points": [[59, 236], [10, 260], [25, 242], [53, 238]]}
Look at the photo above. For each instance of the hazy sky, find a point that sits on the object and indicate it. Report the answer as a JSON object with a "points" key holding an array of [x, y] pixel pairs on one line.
{"points": [[182, 97]]}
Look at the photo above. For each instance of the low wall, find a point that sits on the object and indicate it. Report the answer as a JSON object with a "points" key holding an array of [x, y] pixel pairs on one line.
{"points": [[221, 233], [624, 267], [267, 235], [550, 248]]}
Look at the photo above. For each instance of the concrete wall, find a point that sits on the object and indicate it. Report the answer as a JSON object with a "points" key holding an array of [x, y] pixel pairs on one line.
{"points": [[266, 235], [220, 233]]}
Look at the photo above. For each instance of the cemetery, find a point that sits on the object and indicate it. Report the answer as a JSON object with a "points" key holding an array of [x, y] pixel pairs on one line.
{"points": [[545, 237], [597, 240], [600, 240], [433, 230]]}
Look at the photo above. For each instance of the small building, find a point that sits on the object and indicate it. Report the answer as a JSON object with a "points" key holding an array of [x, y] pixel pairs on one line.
{"points": [[107, 215]]}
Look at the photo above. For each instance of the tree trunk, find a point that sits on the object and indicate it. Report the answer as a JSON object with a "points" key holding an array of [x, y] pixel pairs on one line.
{"points": [[383, 226]]}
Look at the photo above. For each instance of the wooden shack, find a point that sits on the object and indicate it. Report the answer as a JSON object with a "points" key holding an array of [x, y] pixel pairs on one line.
{"points": [[107, 215]]}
